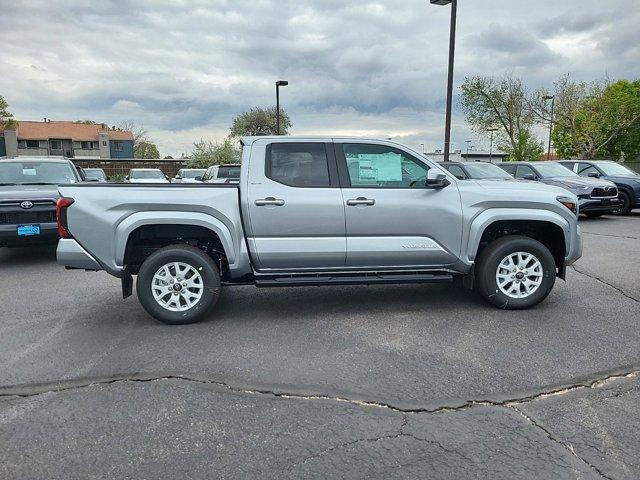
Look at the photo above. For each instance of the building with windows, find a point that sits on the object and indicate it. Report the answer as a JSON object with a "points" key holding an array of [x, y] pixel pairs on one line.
{"points": [[68, 139]]}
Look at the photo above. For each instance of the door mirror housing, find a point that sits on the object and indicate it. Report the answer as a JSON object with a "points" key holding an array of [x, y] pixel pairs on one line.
{"points": [[198, 178], [593, 175], [441, 181], [529, 176], [178, 177]]}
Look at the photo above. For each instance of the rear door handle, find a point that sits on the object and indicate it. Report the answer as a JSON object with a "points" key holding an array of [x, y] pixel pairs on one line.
{"points": [[278, 202], [361, 201]]}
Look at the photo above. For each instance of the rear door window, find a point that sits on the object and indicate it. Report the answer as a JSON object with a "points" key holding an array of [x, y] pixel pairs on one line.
{"points": [[298, 164]]}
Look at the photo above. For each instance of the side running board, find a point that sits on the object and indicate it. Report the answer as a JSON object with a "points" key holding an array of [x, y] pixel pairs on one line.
{"points": [[368, 279]]}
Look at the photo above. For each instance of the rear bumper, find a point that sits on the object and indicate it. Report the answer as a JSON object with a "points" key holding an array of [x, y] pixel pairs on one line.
{"points": [[9, 236], [599, 205], [70, 254]]}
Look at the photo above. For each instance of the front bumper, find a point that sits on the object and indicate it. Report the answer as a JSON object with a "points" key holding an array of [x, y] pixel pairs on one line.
{"points": [[70, 254], [598, 204], [575, 247], [9, 236]]}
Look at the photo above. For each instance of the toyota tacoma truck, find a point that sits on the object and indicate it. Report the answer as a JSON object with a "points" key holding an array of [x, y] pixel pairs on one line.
{"points": [[28, 195], [321, 211]]}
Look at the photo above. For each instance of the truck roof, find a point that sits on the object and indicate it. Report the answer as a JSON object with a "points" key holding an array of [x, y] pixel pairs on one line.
{"points": [[249, 140]]}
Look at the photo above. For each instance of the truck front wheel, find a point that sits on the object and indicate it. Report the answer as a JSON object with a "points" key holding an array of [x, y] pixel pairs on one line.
{"points": [[516, 272], [178, 284]]}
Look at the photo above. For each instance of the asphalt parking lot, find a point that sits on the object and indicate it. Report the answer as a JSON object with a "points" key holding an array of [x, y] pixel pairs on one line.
{"points": [[383, 382]]}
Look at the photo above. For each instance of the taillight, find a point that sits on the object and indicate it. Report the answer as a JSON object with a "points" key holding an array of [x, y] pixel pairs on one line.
{"points": [[61, 216]]}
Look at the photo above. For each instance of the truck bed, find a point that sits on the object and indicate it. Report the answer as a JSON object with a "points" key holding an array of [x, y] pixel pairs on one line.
{"points": [[102, 215]]}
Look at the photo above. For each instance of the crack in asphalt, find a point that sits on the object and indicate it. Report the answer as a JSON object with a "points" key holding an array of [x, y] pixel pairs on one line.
{"points": [[57, 387], [610, 235], [604, 282], [566, 446]]}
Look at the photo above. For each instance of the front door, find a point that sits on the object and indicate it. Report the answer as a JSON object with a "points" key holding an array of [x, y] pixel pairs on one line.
{"points": [[295, 206], [393, 219]]}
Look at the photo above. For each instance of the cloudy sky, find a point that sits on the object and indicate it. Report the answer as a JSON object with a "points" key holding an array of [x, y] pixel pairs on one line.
{"points": [[184, 68]]}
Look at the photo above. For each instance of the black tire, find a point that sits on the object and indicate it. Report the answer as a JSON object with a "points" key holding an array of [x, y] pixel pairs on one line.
{"points": [[625, 208], [594, 214], [188, 255], [495, 253]]}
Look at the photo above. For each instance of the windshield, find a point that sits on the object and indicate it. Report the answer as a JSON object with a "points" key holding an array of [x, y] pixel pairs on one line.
{"points": [[613, 169], [228, 172], [22, 173], [95, 173], [485, 170], [147, 174], [192, 173], [554, 170]]}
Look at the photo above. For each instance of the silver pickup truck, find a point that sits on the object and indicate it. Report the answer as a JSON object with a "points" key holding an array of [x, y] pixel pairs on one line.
{"points": [[321, 211]]}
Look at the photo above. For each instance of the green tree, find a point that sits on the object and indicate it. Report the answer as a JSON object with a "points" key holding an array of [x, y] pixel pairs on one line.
{"points": [[501, 103], [260, 121], [146, 149], [6, 117], [207, 153], [592, 120]]}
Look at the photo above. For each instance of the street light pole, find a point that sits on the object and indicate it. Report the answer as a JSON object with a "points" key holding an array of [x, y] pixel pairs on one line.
{"points": [[422, 145], [452, 50], [279, 83], [492, 130], [553, 104]]}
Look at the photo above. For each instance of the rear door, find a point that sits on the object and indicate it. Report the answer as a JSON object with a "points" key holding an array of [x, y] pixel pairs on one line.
{"points": [[393, 220], [295, 207]]}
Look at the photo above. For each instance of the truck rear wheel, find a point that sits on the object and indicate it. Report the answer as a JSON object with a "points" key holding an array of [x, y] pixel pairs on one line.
{"points": [[516, 272], [178, 284]]}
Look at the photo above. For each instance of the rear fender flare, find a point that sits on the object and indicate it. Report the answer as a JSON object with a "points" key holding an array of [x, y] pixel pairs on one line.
{"points": [[131, 223]]}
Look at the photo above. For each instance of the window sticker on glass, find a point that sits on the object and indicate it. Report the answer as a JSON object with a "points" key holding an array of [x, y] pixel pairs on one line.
{"points": [[375, 168]]}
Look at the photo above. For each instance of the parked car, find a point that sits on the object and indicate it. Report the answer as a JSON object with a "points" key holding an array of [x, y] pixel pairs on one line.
{"points": [[146, 175], [222, 174], [321, 211], [189, 175], [96, 173], [596, 197], [476, 170], [627, 181], [28, 195]]}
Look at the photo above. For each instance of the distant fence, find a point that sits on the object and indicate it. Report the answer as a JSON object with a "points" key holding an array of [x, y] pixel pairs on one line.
{"points": [[635, 166], [120, 167]]}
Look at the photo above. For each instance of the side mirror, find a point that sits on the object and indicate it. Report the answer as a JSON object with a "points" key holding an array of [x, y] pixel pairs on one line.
{"points": [[529, 176], [198, 178], [441, 181], [127, 178], [178, 177], [593, 175], [167, 177]]}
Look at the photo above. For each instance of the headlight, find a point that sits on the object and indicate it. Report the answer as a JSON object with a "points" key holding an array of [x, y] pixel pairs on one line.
{"points": [[569, 203]]}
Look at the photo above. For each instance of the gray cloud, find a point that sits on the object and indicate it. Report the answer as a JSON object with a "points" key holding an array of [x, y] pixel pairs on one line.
{"points": [[185, 68]]}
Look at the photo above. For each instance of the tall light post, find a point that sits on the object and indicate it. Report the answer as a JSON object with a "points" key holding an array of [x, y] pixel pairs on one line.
{"points": [[468, 142], [452, 50], [553, 104], [492, 130], [422, 145], [279, 83]]}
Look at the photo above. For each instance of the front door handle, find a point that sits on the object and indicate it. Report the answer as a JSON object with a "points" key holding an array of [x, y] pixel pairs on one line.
{"points": [[361, 201], [269, 201]]}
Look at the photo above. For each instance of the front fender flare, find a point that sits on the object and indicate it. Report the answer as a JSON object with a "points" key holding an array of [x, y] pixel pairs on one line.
{"points": [[487, 217]]}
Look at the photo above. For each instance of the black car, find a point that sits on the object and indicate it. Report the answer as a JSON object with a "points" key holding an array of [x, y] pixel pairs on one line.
{"points": [[28, 195], [627, 181], [596, 196], [476, 170]]}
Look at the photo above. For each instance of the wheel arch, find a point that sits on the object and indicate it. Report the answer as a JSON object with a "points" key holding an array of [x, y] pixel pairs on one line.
{"points": [[549, 228], [166, 228]]}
